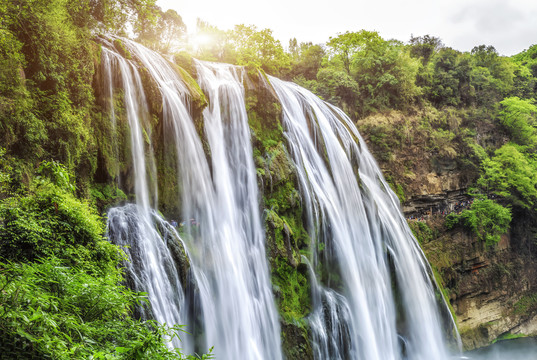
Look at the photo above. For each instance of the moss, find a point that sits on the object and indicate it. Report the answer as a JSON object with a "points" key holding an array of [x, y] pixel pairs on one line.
{"points": [[106, 195], [397, 188], [152, 92], [423, 232], [508, 336], [292, 290], [526, 304], [118, 44], [285, 234], [444, 293], [198, 99]]}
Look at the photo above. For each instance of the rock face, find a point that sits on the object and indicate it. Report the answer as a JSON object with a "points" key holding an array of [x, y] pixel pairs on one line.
{"points": [[493, 291]]}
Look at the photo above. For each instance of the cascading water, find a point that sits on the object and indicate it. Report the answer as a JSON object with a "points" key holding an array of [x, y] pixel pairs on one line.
{"points": [[150, 267], [227, 248], [244, 319], [368, 244], [371, 289]]}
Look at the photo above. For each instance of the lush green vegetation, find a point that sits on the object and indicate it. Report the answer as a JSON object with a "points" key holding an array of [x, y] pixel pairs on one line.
{"points": [[421, 106], [61, 282], [61, 295], [486, 219]]}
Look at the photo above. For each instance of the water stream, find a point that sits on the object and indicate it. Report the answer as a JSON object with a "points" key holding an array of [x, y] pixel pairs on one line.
{"points": [[151, 268], [372, 293], [370, 255]]}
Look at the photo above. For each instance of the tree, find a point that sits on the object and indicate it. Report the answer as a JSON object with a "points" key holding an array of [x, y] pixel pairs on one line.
{"points": [[345, 46], [258, 48], [172, 28], [160, 30], [519, 117], [511, 174], [450, 80], [424, 47], [384, 72], [307, 61], [500, 69]]}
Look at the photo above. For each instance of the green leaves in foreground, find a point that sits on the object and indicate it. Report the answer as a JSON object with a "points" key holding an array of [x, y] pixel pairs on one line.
{"points": [[60, 292], [48, 310]]}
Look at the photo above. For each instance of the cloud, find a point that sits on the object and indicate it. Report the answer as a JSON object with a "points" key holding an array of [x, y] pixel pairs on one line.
{"points": [[491, 16], [507, 25]]}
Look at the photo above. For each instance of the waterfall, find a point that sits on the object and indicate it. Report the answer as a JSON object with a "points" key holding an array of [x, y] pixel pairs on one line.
{"points": [[244, 320], [371, 290], [220, 195], [381, 289], [137, 228]]}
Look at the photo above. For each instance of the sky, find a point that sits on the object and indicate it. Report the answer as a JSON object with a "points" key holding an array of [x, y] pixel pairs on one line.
{"points": [[508, 25]]}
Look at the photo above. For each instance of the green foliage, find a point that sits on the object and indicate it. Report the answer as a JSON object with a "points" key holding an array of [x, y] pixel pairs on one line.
{"points": [[5, 177], [493, 75], [511, 173], [59, 281], [337, 86], [258, 48], [486, 219], [57, 173], [306, 60], [519, 117], [19, 127], [450, 83], [55, 71], [442, 142], [383, 70], [118, 15], [422, 231], [50, 310], [51, 221], [425, 47], [106, 195], [159, 30]]}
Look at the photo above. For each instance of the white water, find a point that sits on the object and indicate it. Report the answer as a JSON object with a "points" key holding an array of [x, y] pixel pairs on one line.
{"points": [[243, 321], [355, 214], [227, 248], [369, 260], [150, 267]]}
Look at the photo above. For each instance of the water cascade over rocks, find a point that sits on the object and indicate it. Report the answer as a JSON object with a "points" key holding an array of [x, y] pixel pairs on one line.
{"points": [[150, 268], [371, 290], [368, 246], [226, 238]]}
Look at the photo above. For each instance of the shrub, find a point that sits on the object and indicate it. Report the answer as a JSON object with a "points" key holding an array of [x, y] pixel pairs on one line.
{"points": [[486, 219], [49, 310]]}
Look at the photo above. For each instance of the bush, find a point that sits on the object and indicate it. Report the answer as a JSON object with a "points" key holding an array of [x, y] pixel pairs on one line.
{"points": [[51, 221], [49, 310], [486, 219], [510, 173]]}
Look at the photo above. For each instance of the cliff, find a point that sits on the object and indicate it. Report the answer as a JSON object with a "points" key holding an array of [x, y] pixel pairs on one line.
{"points": [[492, 289]]}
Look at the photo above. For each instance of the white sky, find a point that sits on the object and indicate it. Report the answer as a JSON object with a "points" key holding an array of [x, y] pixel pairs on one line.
{"points": [[509, 25]]}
